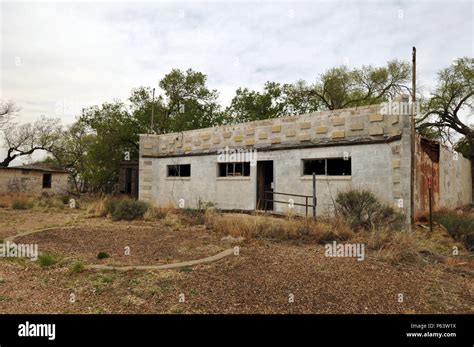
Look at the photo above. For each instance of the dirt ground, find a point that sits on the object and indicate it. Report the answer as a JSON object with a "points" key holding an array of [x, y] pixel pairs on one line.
{"points": [[266, 276], [127, 244]]}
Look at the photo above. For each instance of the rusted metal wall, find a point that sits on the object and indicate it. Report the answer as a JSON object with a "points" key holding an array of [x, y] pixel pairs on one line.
{"points": [[427, 161]]}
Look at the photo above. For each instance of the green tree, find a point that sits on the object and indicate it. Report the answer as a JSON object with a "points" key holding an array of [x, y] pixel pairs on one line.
{"points": [[187, 102], [116, 133], [71, 151], [183, 102], [337, 88], [342, 87], [249, 105]]}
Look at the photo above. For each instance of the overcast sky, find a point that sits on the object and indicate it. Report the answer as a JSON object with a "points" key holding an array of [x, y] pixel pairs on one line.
{"points": [[58, 57]]}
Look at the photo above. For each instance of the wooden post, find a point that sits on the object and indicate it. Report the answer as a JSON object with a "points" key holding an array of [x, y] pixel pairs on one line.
{"points": [[265, 201], [314, 195], [306, 207], [153, 111]]}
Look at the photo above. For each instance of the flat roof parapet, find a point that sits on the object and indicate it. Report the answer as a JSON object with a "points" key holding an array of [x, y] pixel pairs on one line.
{"points": [[352, 125]]}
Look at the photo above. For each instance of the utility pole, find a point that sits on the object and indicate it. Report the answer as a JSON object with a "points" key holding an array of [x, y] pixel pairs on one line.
{"points": [[152, 111], [413, 138]]}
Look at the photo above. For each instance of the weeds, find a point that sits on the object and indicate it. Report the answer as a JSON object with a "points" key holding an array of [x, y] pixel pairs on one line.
{"points": [[103, 255], [263, 227], [459, 226], [18, 204], [154, 213], [76, 267], [46, 260]]}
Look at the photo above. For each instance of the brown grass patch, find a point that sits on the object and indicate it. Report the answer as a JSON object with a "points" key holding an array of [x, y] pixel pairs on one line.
{"points": [[267, 227], [23, 201]]}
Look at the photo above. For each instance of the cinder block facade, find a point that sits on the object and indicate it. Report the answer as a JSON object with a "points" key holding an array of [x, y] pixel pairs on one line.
{"points": [[376, 148]]}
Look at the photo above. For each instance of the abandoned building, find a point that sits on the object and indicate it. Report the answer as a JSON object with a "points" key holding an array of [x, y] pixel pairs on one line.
{"points": [[33, 179], [254, 165]]}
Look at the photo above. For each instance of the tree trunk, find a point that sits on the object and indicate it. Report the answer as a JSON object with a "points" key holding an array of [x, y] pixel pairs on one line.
{"points": [[470, 140], [6, 161], [472, 177]]}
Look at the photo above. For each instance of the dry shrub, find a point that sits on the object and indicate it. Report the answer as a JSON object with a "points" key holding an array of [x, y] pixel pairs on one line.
{"points": [[126, 209], [98, 207], [46, 203], [363, 211], [23, 201], [401, 246], [155, 213], [172, 221], [386, 244], [232, 225], [459, 225]]}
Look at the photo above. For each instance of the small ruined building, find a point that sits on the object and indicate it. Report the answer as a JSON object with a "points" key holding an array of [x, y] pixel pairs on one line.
{"points": [[33, 179], [253, 165]]}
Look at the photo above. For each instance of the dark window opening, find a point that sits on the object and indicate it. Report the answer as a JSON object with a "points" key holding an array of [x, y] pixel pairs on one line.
{"points": [[328, 167], [318, 166], [179, 170], [128, 180], [234, 169], [338, 167], [46, 180]]}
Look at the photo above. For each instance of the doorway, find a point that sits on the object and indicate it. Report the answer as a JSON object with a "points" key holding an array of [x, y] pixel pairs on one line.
{"points": [[264, 184], [128, 180]]}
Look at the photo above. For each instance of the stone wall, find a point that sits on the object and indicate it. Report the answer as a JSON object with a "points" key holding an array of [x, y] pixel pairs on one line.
{"points": [[31, 182]]}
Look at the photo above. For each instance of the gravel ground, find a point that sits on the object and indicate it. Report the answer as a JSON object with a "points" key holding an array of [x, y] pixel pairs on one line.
{"points": [[266, 277], [127, 244]]}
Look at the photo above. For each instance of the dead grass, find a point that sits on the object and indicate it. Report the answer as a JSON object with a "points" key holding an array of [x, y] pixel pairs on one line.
{"points": [[155, 213], [385, 244], [7, 199], [409, 246], [23, 201], [273, 264], [277, 229], [97, 207]]}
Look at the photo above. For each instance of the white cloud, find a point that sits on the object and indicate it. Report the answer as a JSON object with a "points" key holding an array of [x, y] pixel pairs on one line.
{"points": [[72, 54]]}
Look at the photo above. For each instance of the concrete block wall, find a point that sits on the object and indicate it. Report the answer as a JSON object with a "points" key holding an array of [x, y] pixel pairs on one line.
{"points": [[367, 173], [371, 169], [378, 144], [203, 185], [455, 181], [346, 125]]}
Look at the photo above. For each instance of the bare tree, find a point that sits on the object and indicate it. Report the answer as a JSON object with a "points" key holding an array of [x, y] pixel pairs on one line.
{"points": [[25, 139], [7, 110]]}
